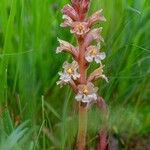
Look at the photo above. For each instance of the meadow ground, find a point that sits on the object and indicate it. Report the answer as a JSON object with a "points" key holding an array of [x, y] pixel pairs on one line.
{"points": [[35, 113]]}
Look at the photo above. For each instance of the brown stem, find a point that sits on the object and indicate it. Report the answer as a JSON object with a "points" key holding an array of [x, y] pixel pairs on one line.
{"points": [[82, 129], [82, 62], [103, 140], [103, 134]]}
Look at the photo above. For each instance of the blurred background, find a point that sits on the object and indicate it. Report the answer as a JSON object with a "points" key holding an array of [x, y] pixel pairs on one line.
{"points": [[35, 113]]}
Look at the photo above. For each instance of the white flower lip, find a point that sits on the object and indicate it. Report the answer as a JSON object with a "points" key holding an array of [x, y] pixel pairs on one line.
{"points": [[86, 98], [86, 93], [93, 53]]}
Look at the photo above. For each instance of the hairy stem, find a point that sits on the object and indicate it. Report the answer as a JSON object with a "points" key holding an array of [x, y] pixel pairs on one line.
{"points": [[81, 139]]}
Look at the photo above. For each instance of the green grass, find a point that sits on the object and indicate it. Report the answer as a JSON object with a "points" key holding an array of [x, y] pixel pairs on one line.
{"points": [[37, 114]]}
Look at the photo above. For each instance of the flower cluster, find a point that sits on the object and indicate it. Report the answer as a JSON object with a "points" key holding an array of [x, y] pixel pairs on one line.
{"points": [[88, 50]]}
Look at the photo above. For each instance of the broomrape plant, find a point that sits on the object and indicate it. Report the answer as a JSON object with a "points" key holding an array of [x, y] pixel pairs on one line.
{"points": [[88, 50]]}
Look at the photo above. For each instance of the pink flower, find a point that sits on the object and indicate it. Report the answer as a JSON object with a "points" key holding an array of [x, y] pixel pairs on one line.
{"points": [[86, 93], [80, 28], [66, 46], [67, 21], [84, 6], [92, 35], [98, 73], [64, 79], [77, 27], [70, 12], [81, 6], [70, 73], [97, 16], [93, 53]]}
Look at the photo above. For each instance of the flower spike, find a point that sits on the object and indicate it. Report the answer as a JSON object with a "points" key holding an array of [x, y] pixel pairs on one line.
{"points": [[87, 50], [85, 53]]}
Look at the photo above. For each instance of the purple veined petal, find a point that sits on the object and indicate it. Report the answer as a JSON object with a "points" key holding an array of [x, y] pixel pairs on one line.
{"points": [[97, 16], [75, 4], [64, 45], [81, 6], [84, 6], [67, 47], [67, 21], [70, 11], [94, 34]]}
